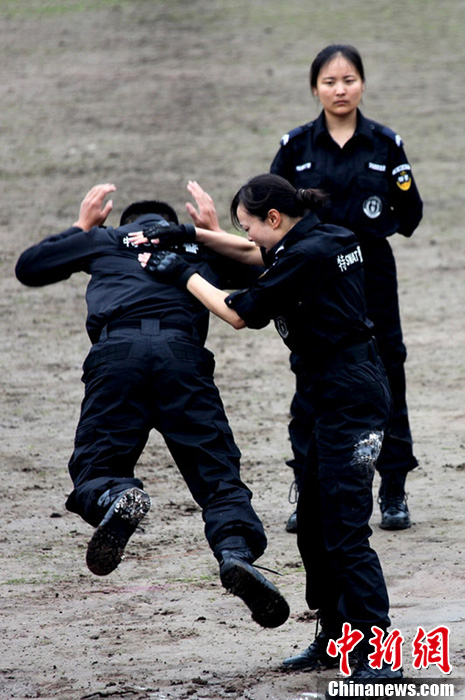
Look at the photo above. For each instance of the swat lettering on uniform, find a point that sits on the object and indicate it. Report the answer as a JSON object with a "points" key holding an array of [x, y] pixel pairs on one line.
{"points": [[125, 242], [349, 259], [304, 166]]}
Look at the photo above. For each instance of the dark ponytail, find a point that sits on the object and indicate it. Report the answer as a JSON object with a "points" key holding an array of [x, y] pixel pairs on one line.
{"points": [[310, 198], [268, 191]]}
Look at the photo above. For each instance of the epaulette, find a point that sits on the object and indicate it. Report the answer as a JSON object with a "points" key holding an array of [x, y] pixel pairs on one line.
{"points": [[295, 132], [386, 131]]}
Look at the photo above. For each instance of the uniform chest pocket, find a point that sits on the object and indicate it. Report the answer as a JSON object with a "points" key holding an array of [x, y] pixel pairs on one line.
{"points": [[373, 183], [369, 208], [308, 178]]}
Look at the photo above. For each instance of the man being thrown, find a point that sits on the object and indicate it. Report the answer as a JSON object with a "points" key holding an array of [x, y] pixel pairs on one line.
{"points": [[148, 368]]}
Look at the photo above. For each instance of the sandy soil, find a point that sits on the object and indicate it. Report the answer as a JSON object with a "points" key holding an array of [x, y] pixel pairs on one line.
{"points": [[148, 95]]}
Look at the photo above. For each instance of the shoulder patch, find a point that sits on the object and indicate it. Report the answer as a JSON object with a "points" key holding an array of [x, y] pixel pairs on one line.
{"points": [[403, 176], [295, 132]]}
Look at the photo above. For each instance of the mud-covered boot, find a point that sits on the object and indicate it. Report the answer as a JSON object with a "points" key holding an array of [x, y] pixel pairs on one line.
{"points": [[124, 513]]}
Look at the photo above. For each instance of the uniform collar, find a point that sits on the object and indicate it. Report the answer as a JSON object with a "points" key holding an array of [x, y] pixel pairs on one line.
{"points": [[296, 233], [363, 127], [144, 220], [149, 219]]}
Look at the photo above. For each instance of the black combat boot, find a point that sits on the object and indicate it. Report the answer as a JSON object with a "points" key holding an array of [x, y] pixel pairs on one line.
{"points": [[364, 675], [393, 501], [315, 656], [239, 577], [125, 510], [362, 671]]}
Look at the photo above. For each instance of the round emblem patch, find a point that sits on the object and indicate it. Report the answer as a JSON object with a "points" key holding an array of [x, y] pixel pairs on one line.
{"points": [[404, 180], [281, 327], [372, 207]]}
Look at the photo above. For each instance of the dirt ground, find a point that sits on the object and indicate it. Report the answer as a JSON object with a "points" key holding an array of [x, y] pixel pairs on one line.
{"points": [[148, 95]]}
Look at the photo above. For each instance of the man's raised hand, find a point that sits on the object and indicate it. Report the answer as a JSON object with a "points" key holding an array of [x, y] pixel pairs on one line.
{"points": [[205, 215], [93, 211]]}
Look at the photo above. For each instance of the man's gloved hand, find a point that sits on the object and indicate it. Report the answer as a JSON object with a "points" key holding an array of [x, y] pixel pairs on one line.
{"points": [[170, 267], [173, 233]]}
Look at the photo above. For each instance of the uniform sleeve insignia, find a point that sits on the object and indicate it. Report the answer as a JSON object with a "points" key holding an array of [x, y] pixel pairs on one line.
{"points": [[281, 327], [402, 173]]}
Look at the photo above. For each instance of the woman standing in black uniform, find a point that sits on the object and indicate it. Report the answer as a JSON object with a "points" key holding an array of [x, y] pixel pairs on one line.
{"points": [[312, 288], [363, 167]]}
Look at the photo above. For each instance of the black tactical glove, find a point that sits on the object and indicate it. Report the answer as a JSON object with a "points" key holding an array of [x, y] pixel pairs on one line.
{"points": [[170, 267], [173, 233]]}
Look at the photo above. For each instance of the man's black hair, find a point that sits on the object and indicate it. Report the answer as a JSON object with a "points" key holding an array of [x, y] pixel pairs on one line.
{"points": [[148, 206]]}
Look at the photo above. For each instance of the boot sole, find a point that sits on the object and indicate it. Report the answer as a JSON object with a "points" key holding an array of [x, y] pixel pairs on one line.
{"points": [[267, 605], [106, 548], [310, 660], [395, 524]]}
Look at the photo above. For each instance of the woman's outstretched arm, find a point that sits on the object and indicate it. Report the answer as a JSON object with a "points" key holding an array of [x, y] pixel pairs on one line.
{"points": [[214, 299]]}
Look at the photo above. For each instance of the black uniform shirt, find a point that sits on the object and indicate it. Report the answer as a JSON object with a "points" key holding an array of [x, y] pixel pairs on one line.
{"points": [[119, 288], [313, 289], [369, 180]]}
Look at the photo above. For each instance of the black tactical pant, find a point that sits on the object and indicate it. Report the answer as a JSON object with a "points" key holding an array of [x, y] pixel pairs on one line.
{"points": [[162, 378], [351, 407], [383, 311]]}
